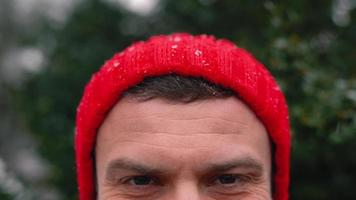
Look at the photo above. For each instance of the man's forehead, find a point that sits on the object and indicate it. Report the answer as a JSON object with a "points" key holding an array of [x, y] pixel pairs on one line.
{"points": [[231, 110], [162, 124]]}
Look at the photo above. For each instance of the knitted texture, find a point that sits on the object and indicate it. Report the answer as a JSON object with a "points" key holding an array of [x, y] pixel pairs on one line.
{"points": [[218, 61]]}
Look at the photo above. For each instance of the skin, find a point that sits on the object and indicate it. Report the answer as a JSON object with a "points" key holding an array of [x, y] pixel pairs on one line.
{"points": [[212, 149]]}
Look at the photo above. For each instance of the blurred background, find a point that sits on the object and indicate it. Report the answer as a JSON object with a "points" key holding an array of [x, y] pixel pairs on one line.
{"points": [[49, 49]]}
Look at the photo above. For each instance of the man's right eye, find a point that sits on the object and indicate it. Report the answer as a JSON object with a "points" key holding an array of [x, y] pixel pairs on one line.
{"points": [[138, 180]]}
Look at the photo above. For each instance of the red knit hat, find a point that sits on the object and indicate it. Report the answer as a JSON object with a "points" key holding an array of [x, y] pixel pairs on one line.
{"points": [[218, 61]]}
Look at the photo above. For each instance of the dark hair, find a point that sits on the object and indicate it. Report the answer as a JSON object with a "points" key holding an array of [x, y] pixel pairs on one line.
{"points": [[177, 88]]}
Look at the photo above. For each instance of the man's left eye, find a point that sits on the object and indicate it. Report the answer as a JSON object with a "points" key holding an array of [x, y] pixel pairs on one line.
{"points": [[228, 179]]}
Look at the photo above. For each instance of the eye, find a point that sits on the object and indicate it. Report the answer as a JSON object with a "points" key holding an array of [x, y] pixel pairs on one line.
{"points": [[139, 180], [229, 180]]}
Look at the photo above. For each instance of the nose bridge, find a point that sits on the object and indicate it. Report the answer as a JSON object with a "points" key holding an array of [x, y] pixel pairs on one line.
{"points": [[187, 190]]}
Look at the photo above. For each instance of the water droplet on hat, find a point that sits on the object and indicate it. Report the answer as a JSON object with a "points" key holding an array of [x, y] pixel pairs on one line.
{"points": [[204, 36], [205, 63], [177, 39], [198, 52], [116, 64], [276, 88]]}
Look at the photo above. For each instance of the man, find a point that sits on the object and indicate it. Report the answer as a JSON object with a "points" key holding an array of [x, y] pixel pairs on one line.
{"points": [[183, 117]]}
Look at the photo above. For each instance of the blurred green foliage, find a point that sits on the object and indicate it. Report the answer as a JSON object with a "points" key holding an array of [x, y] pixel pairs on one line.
{"points": [[4, 195], [312, 58]]}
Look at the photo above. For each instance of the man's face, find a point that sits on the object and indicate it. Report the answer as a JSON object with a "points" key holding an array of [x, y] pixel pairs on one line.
{"points": [[210, 149]]}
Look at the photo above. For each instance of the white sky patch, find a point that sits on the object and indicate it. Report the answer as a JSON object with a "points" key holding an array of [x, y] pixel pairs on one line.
{"points": [[140, 7], [16, 62], [30, 166], [341, 11], [8, 182], [56, 10], [31, 59]]}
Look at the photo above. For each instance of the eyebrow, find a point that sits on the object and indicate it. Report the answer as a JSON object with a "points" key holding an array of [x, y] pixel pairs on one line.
{"points": [[130, 165], [242, 163]]}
